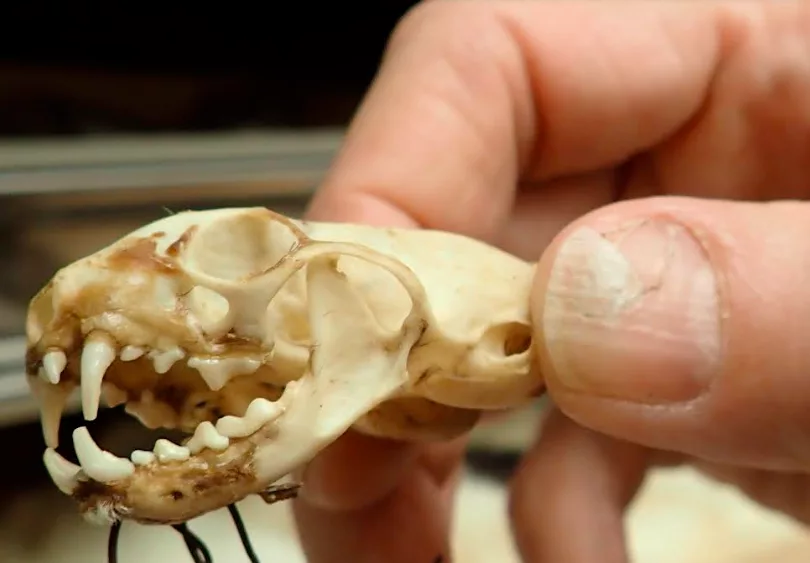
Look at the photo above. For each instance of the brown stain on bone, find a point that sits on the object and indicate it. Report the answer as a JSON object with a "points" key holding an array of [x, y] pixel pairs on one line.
{"points": [[141, 255], [177, 247]]}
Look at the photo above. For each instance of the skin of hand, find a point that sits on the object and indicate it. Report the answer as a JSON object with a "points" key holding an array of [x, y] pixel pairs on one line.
{"points": [[654, 157]]}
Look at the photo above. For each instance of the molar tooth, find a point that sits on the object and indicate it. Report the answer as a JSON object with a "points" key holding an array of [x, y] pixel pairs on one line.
{"points": [[163, 361], [131, 353], [166, 450], [259, 412], [64, 474], [142, 457], [96, 463], [53, 364], [206, 436], [97, 356]]}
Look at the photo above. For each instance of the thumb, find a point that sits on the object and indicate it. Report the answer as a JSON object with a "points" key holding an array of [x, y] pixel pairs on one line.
{"points": [[682, 324]]}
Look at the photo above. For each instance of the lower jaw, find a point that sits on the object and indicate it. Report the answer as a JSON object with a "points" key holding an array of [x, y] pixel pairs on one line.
{"points": [[175, 492]]}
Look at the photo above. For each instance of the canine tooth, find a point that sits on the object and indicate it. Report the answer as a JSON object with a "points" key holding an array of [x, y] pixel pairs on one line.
{"points": [[96, 463], [142, 457], [206, 436], [166, 450], [131, 353], [259, 412], [97, 356], [52, 400], [53, 364], [112, 395], [216, 372], [163, 361], [64, 474]]}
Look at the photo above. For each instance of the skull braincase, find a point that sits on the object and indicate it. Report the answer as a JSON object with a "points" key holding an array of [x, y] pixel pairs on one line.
{"points": [[295, 330]]}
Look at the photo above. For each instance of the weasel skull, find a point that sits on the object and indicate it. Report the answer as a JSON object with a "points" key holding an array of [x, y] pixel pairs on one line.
{"points": [[265, 339]]}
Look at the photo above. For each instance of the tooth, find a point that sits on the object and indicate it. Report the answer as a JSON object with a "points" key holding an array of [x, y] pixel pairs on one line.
{"points": [[141, 457], [163, 361], [206, 436], [53, 365], [168, 451], [259, 412], [52, 400], [64, 474], [151, 412], [131, 353], [97, 356], [112, 395], [96, 463], [216, 372]]}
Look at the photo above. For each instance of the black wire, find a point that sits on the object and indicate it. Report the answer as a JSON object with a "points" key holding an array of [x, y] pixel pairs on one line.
{"points": [[196, 548], [243, 535], [112, 542]]}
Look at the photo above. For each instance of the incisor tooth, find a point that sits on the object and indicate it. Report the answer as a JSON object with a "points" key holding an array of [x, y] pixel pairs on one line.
{"points": [[96, 463], [206, 436], [53, 364], [259, 412], [166, 450], [64, 474], [97, 356]]}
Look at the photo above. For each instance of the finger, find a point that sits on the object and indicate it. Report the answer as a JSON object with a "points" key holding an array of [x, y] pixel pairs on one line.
{"points": [[786, 492], [473, 95], [355, 471], [682, 324], [410, 523], [568, 496]]}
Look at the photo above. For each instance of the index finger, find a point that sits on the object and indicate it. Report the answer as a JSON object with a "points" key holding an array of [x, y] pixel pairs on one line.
{"points": [[472, 96]]}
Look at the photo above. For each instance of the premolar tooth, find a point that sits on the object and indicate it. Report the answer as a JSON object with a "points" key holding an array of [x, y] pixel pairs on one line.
{"points": [[64, 474], [97, 356], [141, 457], [259, 412], [52, 400], [166, 450], [131, 353], [53, 364], [206, 436], [216, 372], [96, 463], [163, 361]]}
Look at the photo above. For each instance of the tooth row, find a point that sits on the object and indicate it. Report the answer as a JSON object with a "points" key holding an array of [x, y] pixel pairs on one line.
{"points": [[105, 467], [100, 351]]}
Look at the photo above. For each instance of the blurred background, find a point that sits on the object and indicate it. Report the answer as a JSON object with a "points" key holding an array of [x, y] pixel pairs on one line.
{"points": [[110, 120]]}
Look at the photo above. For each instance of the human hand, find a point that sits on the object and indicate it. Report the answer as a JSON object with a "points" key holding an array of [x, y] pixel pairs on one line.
{"points": [[670, 329]]}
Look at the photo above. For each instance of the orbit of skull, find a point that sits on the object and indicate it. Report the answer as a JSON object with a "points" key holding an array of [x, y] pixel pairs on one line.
{"points": [[264, 339]]}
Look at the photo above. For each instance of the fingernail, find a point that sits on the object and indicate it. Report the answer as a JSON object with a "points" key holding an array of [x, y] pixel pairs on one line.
{"points": [[632, 313]]}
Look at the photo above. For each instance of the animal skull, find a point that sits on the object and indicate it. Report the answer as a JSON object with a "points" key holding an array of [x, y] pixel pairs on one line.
{"points": [[266, 339]]}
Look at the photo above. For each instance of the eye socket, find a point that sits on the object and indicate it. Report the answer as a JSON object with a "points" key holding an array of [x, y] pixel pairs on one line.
{"points": [[241, 246]]}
